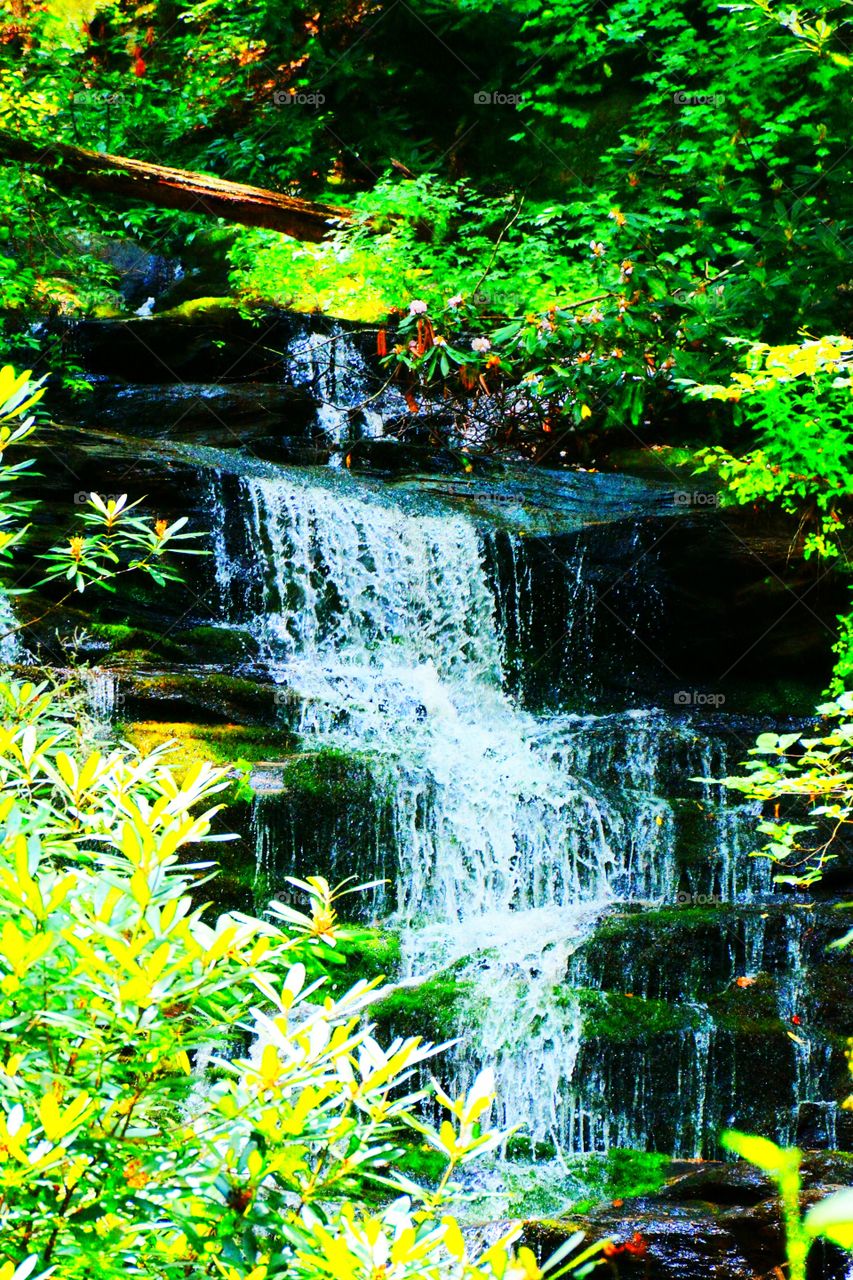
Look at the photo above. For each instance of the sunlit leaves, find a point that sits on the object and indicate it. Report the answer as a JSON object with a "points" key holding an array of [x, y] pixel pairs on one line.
{"points": [[136, 1132], [114, 539], [18, 392], [814, 770], [796, 400], [833, 1219], [121, 542]]}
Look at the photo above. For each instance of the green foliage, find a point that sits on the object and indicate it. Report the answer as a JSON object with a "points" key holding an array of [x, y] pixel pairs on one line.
{"points": [[112, 543], [814, 772], [831, 1217], [706, 144], [124, 1144], [797, 403], [421, 237], [122, 544]]}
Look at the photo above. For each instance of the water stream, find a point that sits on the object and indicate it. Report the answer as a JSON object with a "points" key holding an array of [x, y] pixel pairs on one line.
{"points": [[508, 838]]}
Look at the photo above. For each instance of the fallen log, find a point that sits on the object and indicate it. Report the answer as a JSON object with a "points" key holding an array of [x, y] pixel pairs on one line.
{"points": [[122, 178]]}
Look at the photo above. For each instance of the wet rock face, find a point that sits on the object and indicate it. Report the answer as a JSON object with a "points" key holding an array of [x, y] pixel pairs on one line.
{"points": [[141, 276], [711, 1220], [209, 347], [683, 613], [211, 341], [228, 414]]}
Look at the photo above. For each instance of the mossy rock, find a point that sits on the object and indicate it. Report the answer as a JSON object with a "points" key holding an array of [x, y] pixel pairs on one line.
{"points": [[368, 953], [430, 1010], [422, 1163], [209, 309], [324, 812], [220, 644], [130, 642], [748, 1008], [328, 775], [794, 698], [118, 635], [107, 311], [609, 1016], [232, 886], [670, 953], [618, 1174], [217, 743], [204, 697], [520, 1146], [697, 830], [830, 997]]}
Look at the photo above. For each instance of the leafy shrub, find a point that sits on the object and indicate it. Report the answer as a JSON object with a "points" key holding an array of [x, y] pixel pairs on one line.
{"points": [[796, 401], [814, 771], [177, 1095]]}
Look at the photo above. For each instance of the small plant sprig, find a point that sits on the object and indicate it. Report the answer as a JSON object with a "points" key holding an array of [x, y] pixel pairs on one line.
{"points": [[831, 1218], [114, 539], [815, 772], [119, 542]]}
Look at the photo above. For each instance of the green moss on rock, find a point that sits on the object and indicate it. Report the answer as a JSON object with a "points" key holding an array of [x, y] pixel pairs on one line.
{"points": [[368, 953], [217, 743], [199, 696], [212, 309], [131, 642], [430, 1010], [610, 1016], [328, 775], [421, 1163], [219, 644], [748, 1008]]}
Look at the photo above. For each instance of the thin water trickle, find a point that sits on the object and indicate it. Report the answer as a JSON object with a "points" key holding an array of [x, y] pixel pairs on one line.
{"points": [[101, 688], [334, 370], [11, 648]]}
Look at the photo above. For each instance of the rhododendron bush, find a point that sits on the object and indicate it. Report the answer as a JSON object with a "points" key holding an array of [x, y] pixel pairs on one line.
{"points": [[178, 1094]]}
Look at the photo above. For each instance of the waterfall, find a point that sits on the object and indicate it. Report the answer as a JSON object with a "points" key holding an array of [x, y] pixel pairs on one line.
{"points": [[384, 623], [101, 689], [333, 368], [11, 649], [507, 835]]}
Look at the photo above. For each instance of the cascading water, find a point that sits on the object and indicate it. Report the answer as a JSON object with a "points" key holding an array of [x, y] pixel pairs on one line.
{"points": [[101, 688], [334, 369], [511, 835], [10, 639]]}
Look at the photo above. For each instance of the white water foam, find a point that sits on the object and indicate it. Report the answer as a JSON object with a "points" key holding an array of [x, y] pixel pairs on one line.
{"points": [[383, 622]]}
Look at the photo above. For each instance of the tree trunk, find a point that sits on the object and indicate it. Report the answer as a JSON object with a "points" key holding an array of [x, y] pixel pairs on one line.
{"points": [[121, 178]]}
